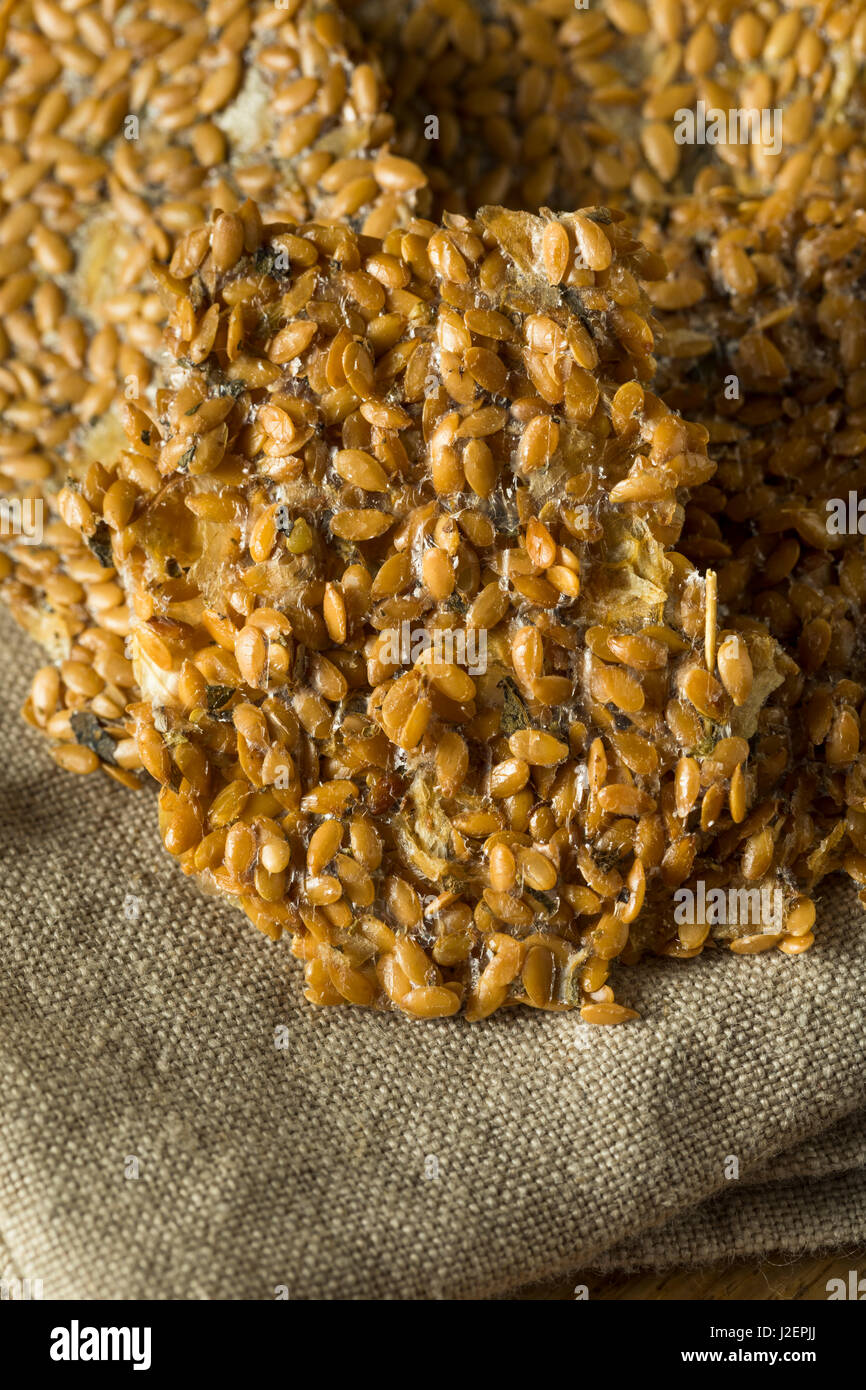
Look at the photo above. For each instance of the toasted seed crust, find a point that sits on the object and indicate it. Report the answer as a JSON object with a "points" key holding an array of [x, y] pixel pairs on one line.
{"points": [[485, 834]]}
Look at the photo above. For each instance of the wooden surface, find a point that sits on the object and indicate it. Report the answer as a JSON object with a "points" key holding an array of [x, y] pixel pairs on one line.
{"points": [[781, 1279]]}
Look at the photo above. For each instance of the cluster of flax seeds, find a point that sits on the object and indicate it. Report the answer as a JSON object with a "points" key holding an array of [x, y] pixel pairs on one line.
{"points": [[566, 104], [789, 327], [452, 427], [448, 428]]}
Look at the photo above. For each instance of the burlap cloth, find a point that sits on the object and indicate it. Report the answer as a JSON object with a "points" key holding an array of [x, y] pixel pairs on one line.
{"points": [[371, 1156]]}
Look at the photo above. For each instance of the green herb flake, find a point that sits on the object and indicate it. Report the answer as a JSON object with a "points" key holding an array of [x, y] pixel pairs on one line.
{"points": [[218, 695], [100, 544], [514, 715], [90, 734]]}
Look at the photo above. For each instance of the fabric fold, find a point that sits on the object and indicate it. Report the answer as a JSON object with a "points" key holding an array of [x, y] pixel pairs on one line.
{"points": [[788, 1219]]}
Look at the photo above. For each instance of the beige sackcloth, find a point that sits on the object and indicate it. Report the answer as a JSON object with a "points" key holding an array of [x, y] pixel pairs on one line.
{"points": [[337, 1153]]}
